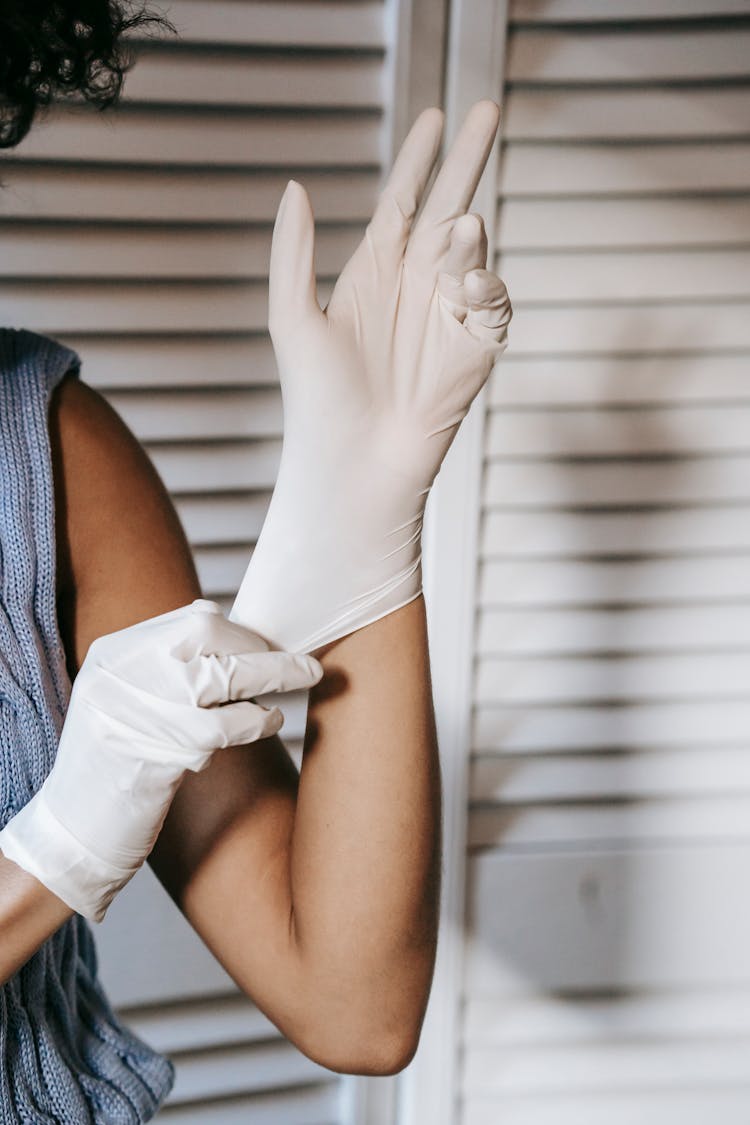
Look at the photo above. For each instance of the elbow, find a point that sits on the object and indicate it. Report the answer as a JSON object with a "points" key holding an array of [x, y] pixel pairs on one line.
{"points": [[377, 1057]]}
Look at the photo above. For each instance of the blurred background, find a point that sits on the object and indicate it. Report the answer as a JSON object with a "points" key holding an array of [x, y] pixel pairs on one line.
{"points": [[587, 545]]}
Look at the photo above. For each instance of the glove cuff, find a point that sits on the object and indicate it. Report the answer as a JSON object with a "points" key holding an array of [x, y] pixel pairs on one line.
{"points": [[35, 840]]}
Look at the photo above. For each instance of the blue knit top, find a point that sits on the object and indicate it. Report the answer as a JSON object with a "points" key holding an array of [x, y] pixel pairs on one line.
{"points": [[64, 1056]]}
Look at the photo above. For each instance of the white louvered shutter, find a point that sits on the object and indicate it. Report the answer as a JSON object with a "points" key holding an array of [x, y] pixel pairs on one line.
{"points": [[141, 238], [607, 969]]}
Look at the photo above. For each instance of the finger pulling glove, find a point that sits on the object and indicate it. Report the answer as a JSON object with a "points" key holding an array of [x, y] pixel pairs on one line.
{"points": [[149, 702]]}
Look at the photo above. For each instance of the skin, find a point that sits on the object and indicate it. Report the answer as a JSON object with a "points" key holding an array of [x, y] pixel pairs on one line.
{"points": [[318, 891]]}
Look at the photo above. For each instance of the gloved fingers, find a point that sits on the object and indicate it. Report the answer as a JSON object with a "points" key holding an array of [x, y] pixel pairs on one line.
{"points": [[455, 184], [214, 678], [399, 201], [490, 309], [235, 724], [292, 289], [467, 251]]}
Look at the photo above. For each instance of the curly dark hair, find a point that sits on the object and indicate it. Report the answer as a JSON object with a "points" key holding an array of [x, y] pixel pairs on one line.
{"points": [[60, 47]]}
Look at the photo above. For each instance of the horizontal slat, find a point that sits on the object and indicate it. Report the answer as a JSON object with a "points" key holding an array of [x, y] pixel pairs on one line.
{"points": [[201, 414], [304, 1106], [110, 363], [626, 56], [550, 632], [333, 23], [588, 777], [598, 824], [630, 327], [546, 277], [524, 730], [242, 1069], [538, 1019], [203, 468], [222, 519], [221, 569], [609, 114], [165, 76], [673, 580], [564, 534], [87, 251], [557, 11], [594, 1067], [559, 382], [620, 918], [577, 679], [621, 169], [672, 430], [177, 195], [137, 136], [593, 484], [599, 223], [127, 306], [688, 1106], [213, 1022]]}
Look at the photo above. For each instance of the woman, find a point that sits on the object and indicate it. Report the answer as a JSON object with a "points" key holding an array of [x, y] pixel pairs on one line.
{"points": [[318, 892]]}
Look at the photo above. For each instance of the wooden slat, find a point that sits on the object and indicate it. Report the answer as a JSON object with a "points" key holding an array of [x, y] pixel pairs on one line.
{"points": [[646, 918], [201, 414], [179, 77], [242, 1069], [689, 1106], [547, 632], [213, 1022], [200, 468], [557, 11], [630, 328], [546, 277], [557, 168], [688, 723], [222, 519], [595, 824], [176, 195], [580, 680], [534, 114], [595, 484], [307, 1105], [597, 1068], [682, 378], [82, 251], [54, 307], [541, 56], [526, 224], [570, 534], [660, 581], [205, 138], [112, 363], [635, 431], [496, 779], [621, 1017], [329, 23]]}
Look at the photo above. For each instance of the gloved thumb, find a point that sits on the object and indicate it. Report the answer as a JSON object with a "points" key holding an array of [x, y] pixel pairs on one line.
{"points": [[292, 291]]}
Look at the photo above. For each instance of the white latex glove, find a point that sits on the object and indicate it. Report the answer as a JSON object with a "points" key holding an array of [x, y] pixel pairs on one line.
{"points": [[374, 389], [145, 707]]}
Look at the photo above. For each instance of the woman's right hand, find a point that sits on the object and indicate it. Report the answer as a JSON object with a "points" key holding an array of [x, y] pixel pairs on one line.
{"points": [[148, 703]]}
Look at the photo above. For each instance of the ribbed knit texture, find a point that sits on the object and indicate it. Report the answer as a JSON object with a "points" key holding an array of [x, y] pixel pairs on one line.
{"points": [[64, 1056]]}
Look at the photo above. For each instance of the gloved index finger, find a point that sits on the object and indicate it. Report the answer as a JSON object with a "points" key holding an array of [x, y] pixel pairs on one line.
{"points": [[216, 678], [459, 175]]}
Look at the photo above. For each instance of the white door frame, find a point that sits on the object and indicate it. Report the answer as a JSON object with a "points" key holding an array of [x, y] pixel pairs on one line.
{"points": [[429, 1087]]}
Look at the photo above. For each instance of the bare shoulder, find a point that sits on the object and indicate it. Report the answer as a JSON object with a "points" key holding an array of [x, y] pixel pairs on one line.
{"points": [[122, 555]]}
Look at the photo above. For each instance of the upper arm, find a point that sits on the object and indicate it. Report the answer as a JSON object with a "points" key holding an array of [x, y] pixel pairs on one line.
{"points": [[123, 557]]}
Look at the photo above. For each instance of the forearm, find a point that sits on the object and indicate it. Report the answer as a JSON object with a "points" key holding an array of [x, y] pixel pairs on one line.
{"points": [[365, 857], [29, 914]]}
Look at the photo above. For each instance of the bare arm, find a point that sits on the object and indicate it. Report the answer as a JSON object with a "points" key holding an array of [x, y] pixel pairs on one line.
{"points": [[317, 892]]}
